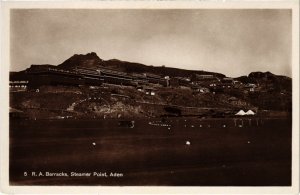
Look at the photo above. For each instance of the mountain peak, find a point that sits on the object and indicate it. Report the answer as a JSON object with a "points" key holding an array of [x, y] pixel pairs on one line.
{"points": [[88, 60]]}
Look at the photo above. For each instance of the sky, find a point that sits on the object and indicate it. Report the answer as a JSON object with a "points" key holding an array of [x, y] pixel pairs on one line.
{"points": [[234, 42]]}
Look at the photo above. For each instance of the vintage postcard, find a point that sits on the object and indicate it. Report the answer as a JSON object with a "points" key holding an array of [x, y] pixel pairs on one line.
{"points": [[150, 97]]}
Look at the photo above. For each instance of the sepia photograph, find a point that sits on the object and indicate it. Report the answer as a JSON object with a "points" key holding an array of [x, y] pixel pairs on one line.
{"points": [[169, 97]]}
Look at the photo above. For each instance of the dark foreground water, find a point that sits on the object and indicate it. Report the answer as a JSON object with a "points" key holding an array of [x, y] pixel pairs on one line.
{"points": [[184, 152]]}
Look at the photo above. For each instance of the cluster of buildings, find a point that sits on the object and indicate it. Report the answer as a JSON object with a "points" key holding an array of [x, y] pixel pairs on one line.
{"points": [[39, 75]]}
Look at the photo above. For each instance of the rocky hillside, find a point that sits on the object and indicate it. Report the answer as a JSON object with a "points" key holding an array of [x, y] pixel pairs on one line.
{"points": [[268, 81], [272, 92]]}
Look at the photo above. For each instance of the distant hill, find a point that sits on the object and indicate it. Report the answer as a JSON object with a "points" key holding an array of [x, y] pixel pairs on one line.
{"points": [[91, 60], [268, 79]]}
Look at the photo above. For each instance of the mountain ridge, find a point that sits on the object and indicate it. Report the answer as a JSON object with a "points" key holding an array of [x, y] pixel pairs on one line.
{"points": [[92, 60]]}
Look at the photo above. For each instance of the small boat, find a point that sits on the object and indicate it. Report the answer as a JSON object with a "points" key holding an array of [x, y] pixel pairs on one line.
{"points": [[127, 124]]}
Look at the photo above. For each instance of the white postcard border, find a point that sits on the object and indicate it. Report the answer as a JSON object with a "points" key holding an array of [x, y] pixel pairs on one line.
{"points": [[4, 76]]}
